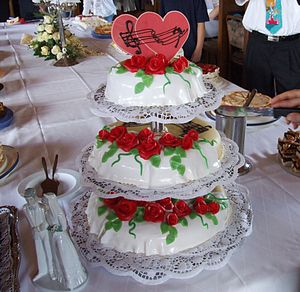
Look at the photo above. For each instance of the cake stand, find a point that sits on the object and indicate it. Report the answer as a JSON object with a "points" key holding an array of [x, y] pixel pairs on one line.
{"points": [[151, 270]]}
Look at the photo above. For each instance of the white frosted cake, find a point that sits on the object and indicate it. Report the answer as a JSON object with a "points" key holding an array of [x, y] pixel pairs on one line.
{"points": [[162, 227], [137, 156], [136, 83]]}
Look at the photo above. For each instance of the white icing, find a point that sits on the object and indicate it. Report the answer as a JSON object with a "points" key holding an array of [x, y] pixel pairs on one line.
{"points": [[149, 239], [120, 89], [128, 170]]}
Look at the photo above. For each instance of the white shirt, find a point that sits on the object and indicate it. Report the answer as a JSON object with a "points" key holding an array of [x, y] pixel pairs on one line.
{"points": [[211, 27], [255, 17]]}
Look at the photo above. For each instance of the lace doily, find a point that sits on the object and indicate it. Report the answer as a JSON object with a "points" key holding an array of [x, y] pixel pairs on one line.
{"points": [[211, 255], [162, 114], [226, 174]]}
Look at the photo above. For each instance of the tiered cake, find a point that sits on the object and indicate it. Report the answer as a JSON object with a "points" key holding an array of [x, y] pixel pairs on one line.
{"points": [[157, 189]]}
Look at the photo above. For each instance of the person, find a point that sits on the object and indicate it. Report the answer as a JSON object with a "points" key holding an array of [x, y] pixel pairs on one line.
{"points": [[272, 62], [212, 26], [104, 8], [290, 99], [196, 13]]}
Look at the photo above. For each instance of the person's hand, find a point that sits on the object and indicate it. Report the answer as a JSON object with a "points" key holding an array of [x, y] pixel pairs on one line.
{"points": [[289, 99], [196, 57]]}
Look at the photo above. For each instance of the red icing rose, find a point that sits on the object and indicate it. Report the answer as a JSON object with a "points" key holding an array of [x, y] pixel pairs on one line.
{"points": [[125, 209], [154, 212], [111, 203], [116, 133], [103, 134], [181, 209], [172, 219], [180, 64], [187, 142], [200, 208], [145, 134], [127, 142], [166, 203], [135, 63], [141, 203], [167, 139], [193, 134], [149, 148], [213, 207], [156, 65], [200, 200]]}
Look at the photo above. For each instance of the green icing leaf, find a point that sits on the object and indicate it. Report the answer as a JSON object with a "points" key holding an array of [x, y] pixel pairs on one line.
{"points": [[168, 151], [139, 215], [189, 70], [181, 169], [100, 143], [113, 148], [173, 231], [155, 160], [121, 70], [183, 222], [134, 151], [140, 73], [116, 225], [107, 128], [102, 210], [193, 215], [147, 80], [169, 69], [139, 87], [111, 216], [164, 227], [212, 217], [170, 238], [180, 151], [108, 225], [175, 161]]}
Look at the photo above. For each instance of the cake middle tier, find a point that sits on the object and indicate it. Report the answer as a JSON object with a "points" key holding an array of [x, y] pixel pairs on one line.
{"points": [[137, 156]]}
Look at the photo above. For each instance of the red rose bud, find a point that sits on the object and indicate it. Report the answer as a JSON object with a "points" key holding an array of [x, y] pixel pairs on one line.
{"points": [[200, 200], [145, 134], [139, 61], [125, 209], [193, 134], [156, 65], [127, 142], [154, 212], [149, 148], [184, 61], [172, 219], [167, 139], [187, 142], [116, 133], [128, 65], [200, 208], [111, 203], [166, 203], [103, 134], [213, 207], [181, 209]]}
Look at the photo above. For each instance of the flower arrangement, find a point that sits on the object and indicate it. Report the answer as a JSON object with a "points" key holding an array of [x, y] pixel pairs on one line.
{"points": [[168, 212], [47, 43]]}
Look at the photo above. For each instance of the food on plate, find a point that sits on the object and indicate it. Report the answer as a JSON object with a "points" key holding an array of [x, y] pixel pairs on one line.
{"points": [[3, 158], [2, 110], [104, 28]]}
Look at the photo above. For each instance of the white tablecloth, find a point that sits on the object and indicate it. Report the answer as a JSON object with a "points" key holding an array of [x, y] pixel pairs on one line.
{"points": [[52, 116]]}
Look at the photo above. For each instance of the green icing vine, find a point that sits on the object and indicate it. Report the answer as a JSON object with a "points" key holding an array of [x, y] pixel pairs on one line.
{"points": [[188, 82], [119, 157], [197, 146], [195, 66], [132, 226], [211, 142], [140, 163], [193, 215], [113, 148], [167, 83], [212, 217]]}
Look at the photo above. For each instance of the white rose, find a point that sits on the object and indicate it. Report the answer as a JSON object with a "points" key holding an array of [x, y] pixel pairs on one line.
{"points": [[48, 19], [59, 55], [45, 36], [55, 50], [44, 50], [49, 28], [56, 36], [39, 37], [40, 27]]}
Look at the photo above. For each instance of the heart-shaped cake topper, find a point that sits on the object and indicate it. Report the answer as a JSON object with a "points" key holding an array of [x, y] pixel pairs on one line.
{"points": [[163, 35], [151, 34], [124, 36]]}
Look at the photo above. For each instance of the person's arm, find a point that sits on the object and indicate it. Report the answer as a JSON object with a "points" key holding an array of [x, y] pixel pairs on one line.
{"points": [[289, 99], [214, 13], [241, 2], [200, 40]]}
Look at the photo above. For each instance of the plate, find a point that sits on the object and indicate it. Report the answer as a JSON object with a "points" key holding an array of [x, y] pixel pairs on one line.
{"points": [[7, 119], [12, 157], [69, 182], [251, 121], [100, 36]]}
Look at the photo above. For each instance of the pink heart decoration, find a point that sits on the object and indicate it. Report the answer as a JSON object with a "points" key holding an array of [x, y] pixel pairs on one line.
{"points": [[168, 34], [124, 36]]}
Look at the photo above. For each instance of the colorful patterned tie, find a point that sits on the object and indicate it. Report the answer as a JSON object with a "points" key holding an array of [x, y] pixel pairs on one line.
{"points": [[273, 15]]}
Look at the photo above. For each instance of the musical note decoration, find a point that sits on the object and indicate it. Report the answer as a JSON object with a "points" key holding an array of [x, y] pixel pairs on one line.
{"points": [[150, 34]]}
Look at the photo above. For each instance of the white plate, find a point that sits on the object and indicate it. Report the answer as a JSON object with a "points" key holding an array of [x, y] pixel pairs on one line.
{"points": [[69, 182]]}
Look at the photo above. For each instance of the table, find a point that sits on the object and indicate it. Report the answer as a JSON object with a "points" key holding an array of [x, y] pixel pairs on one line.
{"points": [[52, 116]]}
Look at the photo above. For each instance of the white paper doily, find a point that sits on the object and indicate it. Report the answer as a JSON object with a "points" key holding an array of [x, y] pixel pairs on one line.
{"points": [[226, 174], [162, 114], [151, 270]]}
